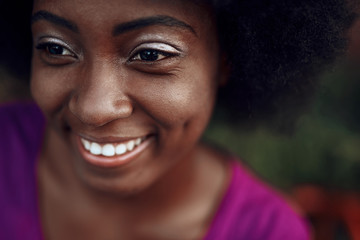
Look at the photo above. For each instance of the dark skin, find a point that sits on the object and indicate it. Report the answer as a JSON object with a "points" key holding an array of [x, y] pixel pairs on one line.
{"points": [[99, 81]]}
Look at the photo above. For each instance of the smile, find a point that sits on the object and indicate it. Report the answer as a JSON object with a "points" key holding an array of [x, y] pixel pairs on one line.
{"points": [[111, 149], [113, 154]]}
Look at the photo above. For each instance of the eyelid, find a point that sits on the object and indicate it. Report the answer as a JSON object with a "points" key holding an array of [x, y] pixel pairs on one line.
{"points": [[50, 40], [158, 46]]}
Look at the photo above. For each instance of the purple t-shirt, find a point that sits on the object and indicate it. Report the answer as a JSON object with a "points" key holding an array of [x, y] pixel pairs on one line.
{"points": [[21, 129], [248, 211]]}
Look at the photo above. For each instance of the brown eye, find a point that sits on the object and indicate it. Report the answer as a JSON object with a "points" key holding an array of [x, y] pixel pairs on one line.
{"points": [[153, 52], [150, 55], [55, 54], [54, 49]]}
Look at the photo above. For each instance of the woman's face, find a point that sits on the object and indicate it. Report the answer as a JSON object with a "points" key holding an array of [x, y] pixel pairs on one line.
{"points": [[128, 86]]}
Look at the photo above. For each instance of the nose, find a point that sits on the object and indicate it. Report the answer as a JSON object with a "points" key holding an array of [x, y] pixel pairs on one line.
{"points": [[100, 97]]}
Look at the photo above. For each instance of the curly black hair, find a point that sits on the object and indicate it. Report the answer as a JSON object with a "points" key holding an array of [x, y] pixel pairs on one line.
{"points": [[274, 48]]}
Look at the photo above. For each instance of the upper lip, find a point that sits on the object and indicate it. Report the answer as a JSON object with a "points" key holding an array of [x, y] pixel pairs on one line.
{"points": [[111, 139], [109, 133]]}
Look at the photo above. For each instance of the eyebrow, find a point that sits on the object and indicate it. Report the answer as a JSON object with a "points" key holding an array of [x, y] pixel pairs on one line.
{"points": [[118, 29], [44, 15], [150, 21]]}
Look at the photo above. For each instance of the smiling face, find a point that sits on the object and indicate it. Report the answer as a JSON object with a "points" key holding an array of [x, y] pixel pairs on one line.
{"points": [[127, 86]]}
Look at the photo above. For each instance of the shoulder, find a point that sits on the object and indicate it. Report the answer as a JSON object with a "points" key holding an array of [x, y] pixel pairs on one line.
{"points": [[20, 114], [21, 127], [252, 210], [20, 121], [267, 214]]}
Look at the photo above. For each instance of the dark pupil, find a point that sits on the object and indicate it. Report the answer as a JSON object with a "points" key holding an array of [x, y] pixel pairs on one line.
{"points": [[149, 55], [55, 49]]}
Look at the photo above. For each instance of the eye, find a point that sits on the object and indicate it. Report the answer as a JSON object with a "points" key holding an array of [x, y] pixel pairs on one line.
{"points": [[150, 55], [55, 49], [55, 52], [152, 52]]}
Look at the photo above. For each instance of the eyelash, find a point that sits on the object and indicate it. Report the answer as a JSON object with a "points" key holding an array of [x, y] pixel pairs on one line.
{"points": [[154, 52], [144, 54], [151, 54], [46, 47]]}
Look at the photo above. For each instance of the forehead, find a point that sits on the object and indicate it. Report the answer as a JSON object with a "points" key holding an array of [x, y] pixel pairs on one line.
{"points": [[105, 13]]}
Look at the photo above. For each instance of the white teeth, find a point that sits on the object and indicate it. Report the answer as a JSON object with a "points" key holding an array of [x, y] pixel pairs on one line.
{"points": [[130, 145], [120, 149], [86, 144], [109, 149], [95, 149]]}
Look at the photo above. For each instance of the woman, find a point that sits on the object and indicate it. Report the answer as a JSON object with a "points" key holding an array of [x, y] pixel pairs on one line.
{"points": [[127, 88]]}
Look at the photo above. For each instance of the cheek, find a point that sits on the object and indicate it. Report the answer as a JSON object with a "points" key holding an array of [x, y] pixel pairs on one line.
{"points": [[177, 101], [49, 88]]}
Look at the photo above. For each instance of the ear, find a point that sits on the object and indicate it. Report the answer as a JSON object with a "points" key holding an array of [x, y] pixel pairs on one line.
{"points": [[224, 70]]}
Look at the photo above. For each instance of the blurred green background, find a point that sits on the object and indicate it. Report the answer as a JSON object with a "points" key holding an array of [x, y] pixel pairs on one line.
{"points": [[324, 148]]}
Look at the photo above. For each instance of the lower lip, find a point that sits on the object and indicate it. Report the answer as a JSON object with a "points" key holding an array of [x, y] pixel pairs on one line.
{"points": [[115, 161]]}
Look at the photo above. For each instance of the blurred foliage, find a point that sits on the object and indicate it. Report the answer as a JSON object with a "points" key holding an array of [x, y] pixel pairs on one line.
{"points": [[324, 148]]}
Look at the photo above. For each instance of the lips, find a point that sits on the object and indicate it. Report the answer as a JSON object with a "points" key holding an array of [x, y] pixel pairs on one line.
{"points": [[112, 154]]}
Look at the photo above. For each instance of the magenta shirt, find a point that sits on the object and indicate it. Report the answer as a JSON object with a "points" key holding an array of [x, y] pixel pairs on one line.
{"points": [[249, 209]]}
